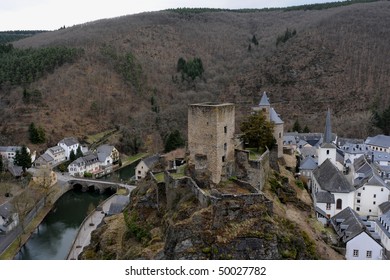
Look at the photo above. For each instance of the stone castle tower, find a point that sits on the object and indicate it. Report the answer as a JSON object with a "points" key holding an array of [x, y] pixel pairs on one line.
{"points": [[271, 115], [211, 138]]}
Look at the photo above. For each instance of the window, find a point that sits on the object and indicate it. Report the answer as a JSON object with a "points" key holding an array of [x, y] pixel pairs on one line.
{"points": [[374, 195], [223, 158], [381, 189], [339, 204], [364, 188], [369, 210], [328, 206], [359, 194], [225, 147], [374, 202], [139, 171], [225, 129], [327, 152], [280, 135], [358, 209], [369, 254], [358, 201], [356, 253]]}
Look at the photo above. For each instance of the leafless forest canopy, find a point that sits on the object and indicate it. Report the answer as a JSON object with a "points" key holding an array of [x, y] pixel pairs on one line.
{"points": [[338, 58]]}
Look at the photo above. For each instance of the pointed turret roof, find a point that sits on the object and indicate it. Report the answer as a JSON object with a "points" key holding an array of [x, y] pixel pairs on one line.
{"points": [[264, 100], [328, 129]]}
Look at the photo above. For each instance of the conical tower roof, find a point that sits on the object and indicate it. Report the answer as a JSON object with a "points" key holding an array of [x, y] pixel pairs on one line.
{"points": [[328, 129], [264, 100]]}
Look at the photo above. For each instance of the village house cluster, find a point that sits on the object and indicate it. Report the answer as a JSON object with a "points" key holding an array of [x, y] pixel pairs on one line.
{"points": [[349, 183]]}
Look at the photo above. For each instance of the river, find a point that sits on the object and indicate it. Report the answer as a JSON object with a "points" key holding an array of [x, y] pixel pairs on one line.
{"points": [[55, 235]]}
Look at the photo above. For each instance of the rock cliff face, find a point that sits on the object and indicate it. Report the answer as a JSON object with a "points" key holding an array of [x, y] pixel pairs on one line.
{"points": [[240, 227]]}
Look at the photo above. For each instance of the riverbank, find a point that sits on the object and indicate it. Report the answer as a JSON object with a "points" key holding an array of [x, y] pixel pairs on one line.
{"points": [[20, 240]]}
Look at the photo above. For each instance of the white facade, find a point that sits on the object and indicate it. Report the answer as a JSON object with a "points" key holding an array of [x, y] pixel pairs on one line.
{"points": [[382, 227], [69, 144], [141, 170], [57, 153], [363, 247], [368, 197], [84, 165]]}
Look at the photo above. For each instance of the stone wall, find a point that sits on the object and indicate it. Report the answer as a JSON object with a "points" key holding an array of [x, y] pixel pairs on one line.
{"points": [[254, 172]]}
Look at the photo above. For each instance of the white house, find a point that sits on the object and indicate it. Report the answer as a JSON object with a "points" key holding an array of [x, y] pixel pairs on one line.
{"points": [[353, 151], [361, 244], [8, 153], [8, 219], [86, 164], [69, 144], [369, 195], [383, 228], [331, 191], [379, 143], [108, 155], [307, 166], [144, 166]]}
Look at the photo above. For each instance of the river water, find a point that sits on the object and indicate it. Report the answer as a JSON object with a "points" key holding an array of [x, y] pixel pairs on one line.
{"points": [[55, 235]]}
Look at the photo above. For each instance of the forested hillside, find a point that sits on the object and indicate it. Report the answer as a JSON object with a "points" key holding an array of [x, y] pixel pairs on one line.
{"points": [[128, 72]]}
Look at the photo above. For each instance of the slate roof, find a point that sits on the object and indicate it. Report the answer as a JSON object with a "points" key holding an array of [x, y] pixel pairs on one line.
{"points": [[325, 197], [361, 165], [69, 141], [150, 161], [380, 156], [308, 152], [347, 224], [328, 129], [15, 170], [384, 207], [56, 150], [10, 149], [6, 210], [308, 164], [46, 157], [352, 148], [289, 140], [274, 117], [383, 222], [330, 178], [104, 151], [264, 100], [379, 140]]}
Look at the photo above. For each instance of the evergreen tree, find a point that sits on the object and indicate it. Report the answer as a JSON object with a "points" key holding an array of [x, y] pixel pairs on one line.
{"points": [[37, 134], [306, 129], [174, 141], [79, 153], [72, 156], [381, 120], [23, 158], [257, 132], [297, 126]]}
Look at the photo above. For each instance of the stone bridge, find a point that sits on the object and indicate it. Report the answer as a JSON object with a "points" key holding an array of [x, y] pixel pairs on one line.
{"points": [[94, 185]]}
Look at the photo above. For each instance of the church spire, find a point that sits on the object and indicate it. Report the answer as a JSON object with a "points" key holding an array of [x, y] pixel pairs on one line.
{"points": [[328, 129]]}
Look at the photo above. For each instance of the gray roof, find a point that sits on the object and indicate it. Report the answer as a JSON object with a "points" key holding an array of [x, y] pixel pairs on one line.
{"points": [[361, 165], [347, 224], [56, 150], [308, 164], [6, 210], [383, 222], [104, 151], [320, 211], [46, 157], [330, 178], [380, 156], [325, 197], [69, 141], [384, 207], [274, 117], [308, 152], [328, 129], [152, 160], [352, 148], [379, 140], [15, 170], [264, 100], [10, 149], [289, 140]]}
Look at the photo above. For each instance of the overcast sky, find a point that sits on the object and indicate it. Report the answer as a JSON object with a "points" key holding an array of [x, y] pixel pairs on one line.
{"points": [[53, 14]]}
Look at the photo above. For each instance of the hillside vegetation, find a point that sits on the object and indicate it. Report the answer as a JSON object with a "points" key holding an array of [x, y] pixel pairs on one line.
{"points": [[127, 76]]}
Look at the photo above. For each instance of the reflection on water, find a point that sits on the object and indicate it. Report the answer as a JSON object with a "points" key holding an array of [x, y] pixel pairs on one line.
{"points": [[56, 233]]}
